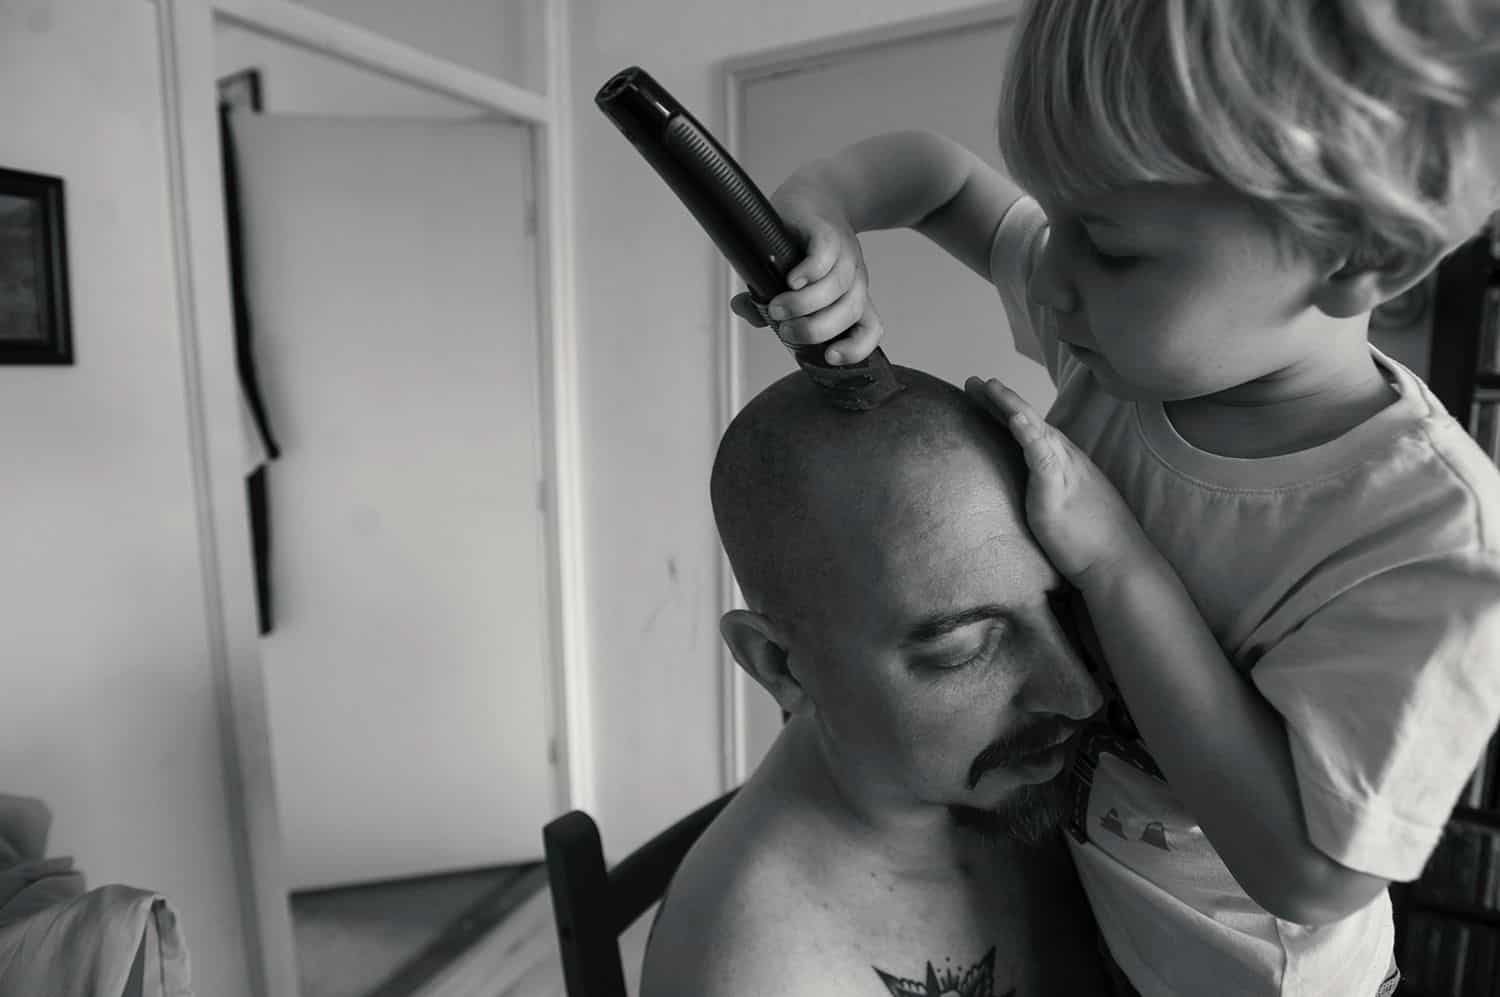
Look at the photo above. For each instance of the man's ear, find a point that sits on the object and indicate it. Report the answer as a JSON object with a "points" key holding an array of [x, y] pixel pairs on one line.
{"points": [[760, 647]]}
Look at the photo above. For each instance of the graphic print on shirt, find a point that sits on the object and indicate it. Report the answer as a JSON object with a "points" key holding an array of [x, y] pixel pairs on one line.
{"points": [[977, 981], [1111, 731], [1120, 802]]}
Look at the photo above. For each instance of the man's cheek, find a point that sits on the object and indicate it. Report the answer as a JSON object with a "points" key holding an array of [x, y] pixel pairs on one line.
{"points": [[941, 747]]}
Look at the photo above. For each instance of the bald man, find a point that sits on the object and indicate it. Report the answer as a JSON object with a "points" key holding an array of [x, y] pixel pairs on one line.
{"points": [[900, 837]]}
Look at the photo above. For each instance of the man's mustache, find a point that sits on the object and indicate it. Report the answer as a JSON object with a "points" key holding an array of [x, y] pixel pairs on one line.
{"points": [[1016, 746]]}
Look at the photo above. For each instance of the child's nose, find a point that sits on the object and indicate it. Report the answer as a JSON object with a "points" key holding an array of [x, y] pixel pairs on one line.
{"points": [[1049, 286]]}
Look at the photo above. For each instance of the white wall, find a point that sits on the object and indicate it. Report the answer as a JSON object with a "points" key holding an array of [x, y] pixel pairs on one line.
{"points": [[296, 81], [498, 37], [109, 710], [648, 313]]}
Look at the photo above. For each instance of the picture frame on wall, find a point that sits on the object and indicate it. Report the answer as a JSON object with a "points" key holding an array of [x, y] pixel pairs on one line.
{"points": [[35, 321]]}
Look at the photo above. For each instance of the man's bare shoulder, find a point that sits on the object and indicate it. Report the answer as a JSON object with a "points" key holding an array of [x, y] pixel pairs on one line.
{"points": [[732, 918], [770, 907]]}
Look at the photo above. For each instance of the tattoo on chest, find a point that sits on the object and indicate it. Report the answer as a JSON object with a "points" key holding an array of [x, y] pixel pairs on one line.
{"points": [[977, 981]]}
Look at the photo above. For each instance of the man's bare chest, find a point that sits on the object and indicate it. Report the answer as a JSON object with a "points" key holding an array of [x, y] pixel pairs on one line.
{"points": [[964, 939]]}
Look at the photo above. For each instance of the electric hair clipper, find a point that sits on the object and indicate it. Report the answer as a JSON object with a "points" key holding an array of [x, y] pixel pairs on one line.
{"points": [[737, 217]]}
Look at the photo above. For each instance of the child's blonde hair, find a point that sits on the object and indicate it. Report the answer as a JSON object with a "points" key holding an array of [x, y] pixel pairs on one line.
{"points": [[1360, 126]]}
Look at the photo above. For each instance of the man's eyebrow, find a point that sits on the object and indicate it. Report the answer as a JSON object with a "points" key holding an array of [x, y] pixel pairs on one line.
{"points": [[934, 627]]}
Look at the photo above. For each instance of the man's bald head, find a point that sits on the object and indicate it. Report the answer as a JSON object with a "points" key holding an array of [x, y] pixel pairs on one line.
{"points": [[797, 483]]}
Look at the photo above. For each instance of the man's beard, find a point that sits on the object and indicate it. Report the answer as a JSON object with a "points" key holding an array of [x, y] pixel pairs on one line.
{"points": [[1033, 812], [1030, 815]]}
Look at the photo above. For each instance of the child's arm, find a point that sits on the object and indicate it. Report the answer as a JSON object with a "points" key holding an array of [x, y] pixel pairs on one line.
{"points": [[1220, 744], [1222, 747], [909, 179]]}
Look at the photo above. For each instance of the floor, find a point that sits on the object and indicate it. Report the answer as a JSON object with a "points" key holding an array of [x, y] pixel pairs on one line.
{"points": [[487, 933], [519, 958], [391, 939]]}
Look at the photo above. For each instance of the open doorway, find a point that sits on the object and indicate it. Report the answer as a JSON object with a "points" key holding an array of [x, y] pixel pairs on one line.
{"points": [[382, 271]]}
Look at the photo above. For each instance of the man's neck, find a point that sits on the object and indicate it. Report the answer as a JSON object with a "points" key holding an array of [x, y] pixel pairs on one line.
{"points": [[876, 830]]}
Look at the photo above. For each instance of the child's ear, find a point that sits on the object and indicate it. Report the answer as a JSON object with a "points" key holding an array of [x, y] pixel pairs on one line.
{"points": [[760, 647], [1349, 291]]}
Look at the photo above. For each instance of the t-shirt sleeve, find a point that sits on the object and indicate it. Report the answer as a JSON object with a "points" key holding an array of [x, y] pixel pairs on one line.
{"points": [[1390, 693], [1019, 239]]}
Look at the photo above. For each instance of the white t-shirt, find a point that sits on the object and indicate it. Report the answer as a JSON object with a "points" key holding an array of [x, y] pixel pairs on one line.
{"points": [[1357, 583]]}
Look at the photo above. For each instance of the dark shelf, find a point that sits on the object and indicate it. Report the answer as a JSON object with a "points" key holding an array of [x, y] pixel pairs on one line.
{"points": [[1458, 310], [1455, 374], [1484, 818], [1470, 913]]}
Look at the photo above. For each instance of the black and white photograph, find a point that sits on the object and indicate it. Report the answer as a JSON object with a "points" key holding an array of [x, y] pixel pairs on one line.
{"points": [[750, 498]]}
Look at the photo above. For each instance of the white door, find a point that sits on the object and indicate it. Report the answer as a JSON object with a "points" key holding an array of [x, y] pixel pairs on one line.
{"points": [[938, 315], [390, 274]]}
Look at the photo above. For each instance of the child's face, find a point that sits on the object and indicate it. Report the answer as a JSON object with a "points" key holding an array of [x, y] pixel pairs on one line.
{"points": [[1175, 292]]}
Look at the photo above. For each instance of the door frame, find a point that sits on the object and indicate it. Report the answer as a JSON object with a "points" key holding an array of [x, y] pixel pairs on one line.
{"points": [[201, 270], [738, 73]]}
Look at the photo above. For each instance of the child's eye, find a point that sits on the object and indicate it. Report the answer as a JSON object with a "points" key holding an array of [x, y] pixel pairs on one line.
{"points": [[1114, 261], [1110, 260], [1107, 259]]}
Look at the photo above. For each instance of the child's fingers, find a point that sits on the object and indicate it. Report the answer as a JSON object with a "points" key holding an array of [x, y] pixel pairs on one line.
{"points": [[851, 314], [826, 322], [820, 326], [797, 308], [1010, 402], [861, 341], [1029, 429], [795, 311], [1042, 446], [999, 400], [822, 254]]}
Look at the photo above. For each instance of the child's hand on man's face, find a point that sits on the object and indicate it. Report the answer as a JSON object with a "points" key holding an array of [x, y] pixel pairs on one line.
{"points": [[830, 288], [1077, 516]]}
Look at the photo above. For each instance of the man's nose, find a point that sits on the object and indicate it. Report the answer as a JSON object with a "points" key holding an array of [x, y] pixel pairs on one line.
{"points": [[1060, 682], [1049, 286]]}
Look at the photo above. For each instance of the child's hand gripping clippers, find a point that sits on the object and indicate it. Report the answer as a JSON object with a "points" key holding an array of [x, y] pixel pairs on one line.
{"points": [[737, 217]]}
